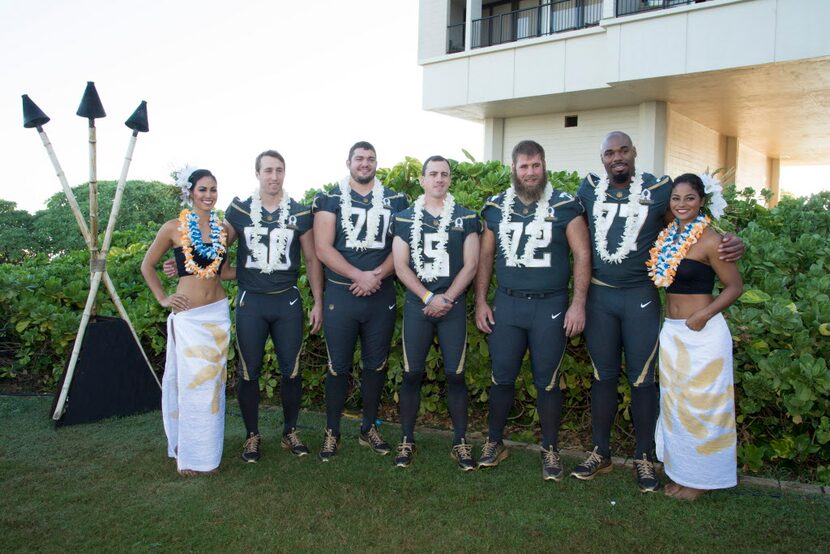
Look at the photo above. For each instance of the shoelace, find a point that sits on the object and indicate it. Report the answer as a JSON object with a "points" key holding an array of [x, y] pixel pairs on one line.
{"points": [[251, 445], [593, 460], [405, 448], [552, 457], [329, 442], [463, 450], [489, 449], [374, 436], [294, 439], [645, 469]]}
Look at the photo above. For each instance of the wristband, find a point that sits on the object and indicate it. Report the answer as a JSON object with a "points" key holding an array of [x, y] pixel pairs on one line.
{"points": [[427, 298]]}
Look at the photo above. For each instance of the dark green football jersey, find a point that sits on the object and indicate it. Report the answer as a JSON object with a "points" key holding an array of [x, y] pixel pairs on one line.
{"points": [[630, 272], [549, 270], [463, 222], [378, 249], [287, 262]]}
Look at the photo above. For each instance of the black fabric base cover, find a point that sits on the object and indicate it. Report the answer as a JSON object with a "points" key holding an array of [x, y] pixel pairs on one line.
{"points": [[111, 377]]}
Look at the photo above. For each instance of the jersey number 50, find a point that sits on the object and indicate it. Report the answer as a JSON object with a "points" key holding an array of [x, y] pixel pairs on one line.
{"points": [[279, 260]]}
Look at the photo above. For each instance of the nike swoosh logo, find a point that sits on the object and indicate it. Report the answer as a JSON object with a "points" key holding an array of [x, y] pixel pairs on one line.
{"points": [[392, 307], [646, 304], [555, 316], [293, 302]]}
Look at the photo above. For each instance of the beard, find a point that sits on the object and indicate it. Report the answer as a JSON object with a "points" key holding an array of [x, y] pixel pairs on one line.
{"points": [[621, 178], [533, 193], [363, 180]]}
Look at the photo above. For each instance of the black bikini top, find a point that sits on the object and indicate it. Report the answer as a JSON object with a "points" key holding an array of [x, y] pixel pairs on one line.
{"points": [[200, 260], [692, 277]]}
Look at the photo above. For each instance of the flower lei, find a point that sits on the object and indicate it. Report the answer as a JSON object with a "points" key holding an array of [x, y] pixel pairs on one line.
{"points": [[437, 267], [628, 242], [372, 217], [191, 238], [534, 228], [258, 250], [671, 247]]}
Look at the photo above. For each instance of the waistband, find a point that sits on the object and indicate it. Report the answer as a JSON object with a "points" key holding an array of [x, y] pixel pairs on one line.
{"points": [[531, 294]]}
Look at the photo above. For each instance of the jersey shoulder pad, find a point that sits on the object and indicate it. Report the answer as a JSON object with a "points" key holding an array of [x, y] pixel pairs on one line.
{"points": [[239, 206], [653, 182], [405, 215]]}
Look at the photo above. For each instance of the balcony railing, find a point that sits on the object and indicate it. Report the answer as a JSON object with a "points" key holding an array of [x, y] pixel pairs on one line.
{"points": [[627, 7], [455, 38], [553, 17]]}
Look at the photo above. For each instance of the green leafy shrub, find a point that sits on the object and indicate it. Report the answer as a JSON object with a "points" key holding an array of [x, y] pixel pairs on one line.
{"points": [[780, 325]]}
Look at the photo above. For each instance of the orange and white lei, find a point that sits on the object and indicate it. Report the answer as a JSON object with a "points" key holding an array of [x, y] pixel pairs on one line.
{"points": [[187, 247], [671, 248]]}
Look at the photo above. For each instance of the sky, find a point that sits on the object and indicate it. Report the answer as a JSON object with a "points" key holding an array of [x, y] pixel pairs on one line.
{"points": [[223, 81]]}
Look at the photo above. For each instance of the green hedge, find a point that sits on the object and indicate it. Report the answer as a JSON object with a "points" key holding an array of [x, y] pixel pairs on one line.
{"points": [[780, 325]]}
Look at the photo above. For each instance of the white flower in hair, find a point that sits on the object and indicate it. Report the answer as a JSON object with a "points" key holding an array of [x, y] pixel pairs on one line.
{"points": [[181, 176], [714, 190]]}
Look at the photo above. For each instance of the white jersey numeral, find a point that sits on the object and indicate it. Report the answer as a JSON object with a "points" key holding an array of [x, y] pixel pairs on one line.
{"points": [[610, 210], [281, 259], [517, 230], [380, 240], [439, 257]]}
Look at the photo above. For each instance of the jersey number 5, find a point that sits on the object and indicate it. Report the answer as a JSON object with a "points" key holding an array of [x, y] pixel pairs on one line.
{"points": [[440, 257]]}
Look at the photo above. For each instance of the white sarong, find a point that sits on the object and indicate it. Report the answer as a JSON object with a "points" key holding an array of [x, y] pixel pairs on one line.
{"points": [[193, 387], [695, 434]]}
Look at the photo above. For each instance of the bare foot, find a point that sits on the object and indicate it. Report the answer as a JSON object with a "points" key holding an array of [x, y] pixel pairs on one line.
{"points": [[687, 493], [193, 473], [671, 489]]}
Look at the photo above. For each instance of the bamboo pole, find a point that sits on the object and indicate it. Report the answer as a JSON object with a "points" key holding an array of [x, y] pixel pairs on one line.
{"points": [[116, 206], [93, 189], [119, 194], [123, 312], [70, 197], [79, 339]]}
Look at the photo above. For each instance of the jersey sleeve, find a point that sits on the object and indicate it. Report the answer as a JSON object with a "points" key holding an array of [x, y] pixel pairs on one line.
{"points": [[325, 202], [491, 213], [567, 207], [305, 219], [236, 213], [402, 225]]}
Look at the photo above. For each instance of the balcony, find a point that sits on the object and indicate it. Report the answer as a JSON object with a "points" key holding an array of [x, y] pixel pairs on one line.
{"points": [[554, 17], [628, 7]]}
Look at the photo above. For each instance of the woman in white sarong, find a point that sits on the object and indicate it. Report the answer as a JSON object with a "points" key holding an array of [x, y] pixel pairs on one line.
{"points": [[198, 328], [695, 436]]}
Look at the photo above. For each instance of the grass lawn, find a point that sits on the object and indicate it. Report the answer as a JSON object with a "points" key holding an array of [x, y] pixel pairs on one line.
{"points": [[109, 487]]}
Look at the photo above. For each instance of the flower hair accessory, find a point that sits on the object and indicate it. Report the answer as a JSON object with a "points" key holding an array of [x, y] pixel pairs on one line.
{"points": [[714, 190], [182, 179]]}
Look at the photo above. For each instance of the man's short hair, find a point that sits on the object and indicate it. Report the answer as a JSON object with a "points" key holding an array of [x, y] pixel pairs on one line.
{"points": [[528, 148], [363, 145], [435, 158], [269, 154]]}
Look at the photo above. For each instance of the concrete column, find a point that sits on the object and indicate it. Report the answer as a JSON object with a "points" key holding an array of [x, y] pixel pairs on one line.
{"points": [[493, 138], [609, 9], [473, 12], [774, 171], [651, 140], [731, 154]]}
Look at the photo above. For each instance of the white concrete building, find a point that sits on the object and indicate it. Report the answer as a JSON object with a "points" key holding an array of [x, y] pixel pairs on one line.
{"points": [[741, 84]]}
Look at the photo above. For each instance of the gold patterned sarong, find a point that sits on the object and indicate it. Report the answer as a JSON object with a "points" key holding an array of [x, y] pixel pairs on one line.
{"points": [[193, 387], [695, 434]]}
